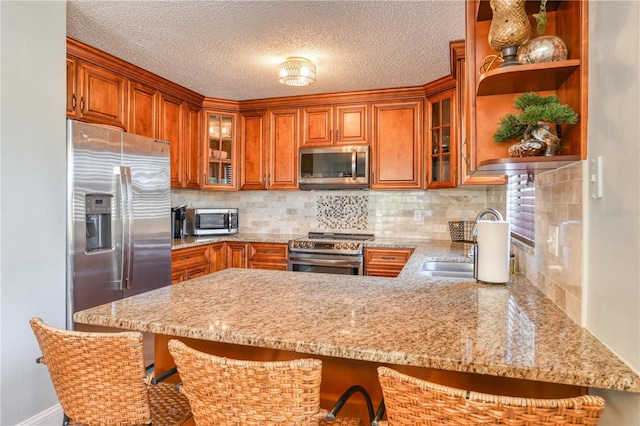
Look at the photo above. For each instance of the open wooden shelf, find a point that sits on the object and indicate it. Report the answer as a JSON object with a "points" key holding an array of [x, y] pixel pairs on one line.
{"points": [[522, 165], [526, 78]]}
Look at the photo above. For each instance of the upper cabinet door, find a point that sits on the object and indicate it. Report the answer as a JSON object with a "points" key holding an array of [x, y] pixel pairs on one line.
{"points": [[317, 126], [170, 126], [72, 86], [254, 150], [335, 125], [352, 128], [192, 151], [220, 150], [283, 152], [442, 146], [143, 110], [397, 145], [102, 95]]}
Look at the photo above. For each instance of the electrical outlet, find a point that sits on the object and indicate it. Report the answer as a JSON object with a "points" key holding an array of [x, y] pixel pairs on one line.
{"points": [[417, 215], [553, 240]]}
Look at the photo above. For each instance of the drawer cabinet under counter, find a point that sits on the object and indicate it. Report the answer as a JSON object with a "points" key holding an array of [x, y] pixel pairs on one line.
{"points": [[189, 263], [268, 256], [385, 262]]}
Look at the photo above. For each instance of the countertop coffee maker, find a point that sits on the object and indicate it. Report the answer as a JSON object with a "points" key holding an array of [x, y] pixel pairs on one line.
{"points": [[179, 222]]}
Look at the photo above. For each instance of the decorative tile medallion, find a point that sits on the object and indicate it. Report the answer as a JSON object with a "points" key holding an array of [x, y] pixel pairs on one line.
{"points": [[343, 211]]}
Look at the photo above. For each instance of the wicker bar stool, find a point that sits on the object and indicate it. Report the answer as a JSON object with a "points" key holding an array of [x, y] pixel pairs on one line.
{"points": [[228, 392], [411, 401], [99, 379]]}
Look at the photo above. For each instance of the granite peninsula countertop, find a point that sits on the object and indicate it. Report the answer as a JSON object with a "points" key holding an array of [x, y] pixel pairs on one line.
{"points": [[452, 324]]}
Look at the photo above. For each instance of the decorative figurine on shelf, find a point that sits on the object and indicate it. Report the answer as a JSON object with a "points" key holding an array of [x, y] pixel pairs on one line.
{"points": [[510, 28], [545, 48], [537, 125]]}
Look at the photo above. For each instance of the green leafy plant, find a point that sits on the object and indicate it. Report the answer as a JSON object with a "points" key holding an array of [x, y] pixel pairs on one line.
{"points": [[541, 17], [533, 109]]}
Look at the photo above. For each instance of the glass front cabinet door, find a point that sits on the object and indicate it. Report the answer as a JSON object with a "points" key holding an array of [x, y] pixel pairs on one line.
{"points": [[220, 151], [441, 143]]}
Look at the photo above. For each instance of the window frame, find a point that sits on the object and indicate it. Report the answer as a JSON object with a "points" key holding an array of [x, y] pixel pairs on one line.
{"points": [[521, 208]]}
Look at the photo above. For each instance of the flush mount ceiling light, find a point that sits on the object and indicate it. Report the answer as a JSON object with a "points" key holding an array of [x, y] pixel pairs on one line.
{"points": [[296, 71]]}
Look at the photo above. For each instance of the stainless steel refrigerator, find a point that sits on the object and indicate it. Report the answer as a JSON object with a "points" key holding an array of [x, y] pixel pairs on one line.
{"points": [[118, 216]]}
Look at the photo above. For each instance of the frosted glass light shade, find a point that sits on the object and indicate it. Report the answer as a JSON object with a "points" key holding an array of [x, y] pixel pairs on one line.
{"points": [[297, 71]]}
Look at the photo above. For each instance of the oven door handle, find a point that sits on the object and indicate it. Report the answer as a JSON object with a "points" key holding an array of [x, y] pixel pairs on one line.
{"points": [[326, 262]]}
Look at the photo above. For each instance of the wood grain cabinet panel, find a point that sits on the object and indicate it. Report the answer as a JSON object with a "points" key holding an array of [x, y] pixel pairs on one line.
{"points": [[217, 257], [191, 153], [270, 162], [254, 150], [171, 122], [189, 263], [143, 110], [272, 256], [385, 262], [335, 125], [283, 149], [236, 255], [396, 160], [95, 94]]}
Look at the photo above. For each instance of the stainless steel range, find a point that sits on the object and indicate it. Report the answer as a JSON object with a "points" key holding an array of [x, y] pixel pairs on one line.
{"points": [[329, 253]]}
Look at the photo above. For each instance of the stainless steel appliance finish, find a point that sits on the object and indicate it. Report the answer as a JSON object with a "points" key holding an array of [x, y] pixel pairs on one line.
{"points": [[212, 221], [331, 253], [119, 216], [333, 168]]}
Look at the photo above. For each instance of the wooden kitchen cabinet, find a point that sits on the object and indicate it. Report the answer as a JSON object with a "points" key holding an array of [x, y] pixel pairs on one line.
{"points": [[236, 255], [189, 263], [95, 94], [442, 141], [270, 149], [396, 158], [273, 256], [332, 125], [220, 150], [170, 129], [385, 262], [143, 110], [217, 257], [492, 93], [254, 150]]}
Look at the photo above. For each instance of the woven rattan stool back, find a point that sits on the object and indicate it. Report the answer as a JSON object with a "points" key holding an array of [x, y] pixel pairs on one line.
{"points": [[224, 391], [411, 401], [99, 378]]}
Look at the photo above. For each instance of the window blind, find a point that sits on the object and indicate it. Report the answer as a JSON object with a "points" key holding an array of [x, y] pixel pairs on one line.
{"points": [[521, 208]]}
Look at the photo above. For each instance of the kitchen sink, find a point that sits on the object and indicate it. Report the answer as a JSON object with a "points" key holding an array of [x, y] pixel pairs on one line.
{"points": [[443, 268]]}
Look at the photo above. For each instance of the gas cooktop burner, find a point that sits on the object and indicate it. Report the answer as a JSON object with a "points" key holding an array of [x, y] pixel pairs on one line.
{"points": [[330, 242]]}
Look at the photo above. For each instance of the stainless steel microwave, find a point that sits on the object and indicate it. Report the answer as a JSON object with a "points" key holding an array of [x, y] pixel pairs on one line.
{"points": [[333, 168], [212, 221]]}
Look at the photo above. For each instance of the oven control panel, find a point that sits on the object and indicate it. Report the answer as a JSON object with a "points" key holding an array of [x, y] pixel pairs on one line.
{"points": [[326, 247]]}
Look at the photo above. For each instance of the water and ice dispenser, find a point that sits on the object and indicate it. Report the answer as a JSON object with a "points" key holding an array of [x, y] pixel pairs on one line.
{"points": [[98, 220]]}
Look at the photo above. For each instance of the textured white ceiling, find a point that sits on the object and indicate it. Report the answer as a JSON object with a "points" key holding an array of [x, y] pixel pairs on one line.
{"points": [[231, 49]]}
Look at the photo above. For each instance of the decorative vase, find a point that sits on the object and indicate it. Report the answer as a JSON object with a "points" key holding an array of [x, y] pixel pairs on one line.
{"points": [[509, 29], [547, 48]]}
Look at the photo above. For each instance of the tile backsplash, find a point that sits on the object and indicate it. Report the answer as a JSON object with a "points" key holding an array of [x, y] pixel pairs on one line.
{"points": [[557, 274], [383, 213]]}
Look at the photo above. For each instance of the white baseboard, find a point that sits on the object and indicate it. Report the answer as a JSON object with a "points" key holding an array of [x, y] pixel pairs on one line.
{"points": [[50, 417]]}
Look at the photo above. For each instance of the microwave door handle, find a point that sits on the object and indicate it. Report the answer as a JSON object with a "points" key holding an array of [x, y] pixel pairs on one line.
{"points": [[354, 157], [229, 220]]}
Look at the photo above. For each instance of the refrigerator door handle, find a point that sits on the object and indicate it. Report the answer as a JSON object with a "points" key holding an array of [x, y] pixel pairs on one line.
{"points": [[128, 231], [125, 215]]}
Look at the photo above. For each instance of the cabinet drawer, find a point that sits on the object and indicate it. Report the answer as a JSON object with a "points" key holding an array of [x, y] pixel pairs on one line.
{"points": [[189, 256], [268, 252], [387, 257]]}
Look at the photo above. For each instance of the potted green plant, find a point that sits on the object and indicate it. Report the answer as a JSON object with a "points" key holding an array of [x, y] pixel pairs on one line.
{"points": [[535, 126]]}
